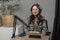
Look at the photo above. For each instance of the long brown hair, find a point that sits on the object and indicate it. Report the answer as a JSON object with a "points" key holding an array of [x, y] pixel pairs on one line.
{"points": [[40, 17]]}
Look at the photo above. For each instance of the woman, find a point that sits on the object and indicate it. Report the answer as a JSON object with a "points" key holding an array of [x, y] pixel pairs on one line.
{"points": [[36, 19]]}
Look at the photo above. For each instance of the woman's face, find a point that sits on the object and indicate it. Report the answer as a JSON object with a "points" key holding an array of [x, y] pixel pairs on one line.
{"points": [[35, 10]]}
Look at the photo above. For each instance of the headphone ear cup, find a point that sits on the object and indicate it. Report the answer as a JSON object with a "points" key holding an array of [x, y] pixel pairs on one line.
{"points": [[31, 9], [40, 10]]}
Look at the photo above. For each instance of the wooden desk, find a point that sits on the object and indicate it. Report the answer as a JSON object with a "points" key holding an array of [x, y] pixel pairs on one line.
{"points": [[27, 38]]}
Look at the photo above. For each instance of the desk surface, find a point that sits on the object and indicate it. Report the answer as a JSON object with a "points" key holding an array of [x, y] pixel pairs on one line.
{"points": [[27, 38]]}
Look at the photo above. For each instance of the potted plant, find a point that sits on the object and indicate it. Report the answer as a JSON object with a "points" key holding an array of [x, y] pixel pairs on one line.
{"points": [[8, 16]]}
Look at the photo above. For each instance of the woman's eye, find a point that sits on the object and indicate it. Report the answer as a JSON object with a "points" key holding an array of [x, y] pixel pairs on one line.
{"points": [[36, 9]]}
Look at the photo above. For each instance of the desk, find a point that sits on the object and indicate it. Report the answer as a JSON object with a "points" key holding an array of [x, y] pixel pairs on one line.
{"points": [[27, 38]]}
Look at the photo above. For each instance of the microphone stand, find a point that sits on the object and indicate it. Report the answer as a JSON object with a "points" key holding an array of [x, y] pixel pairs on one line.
{"points": [[22, 34]]}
